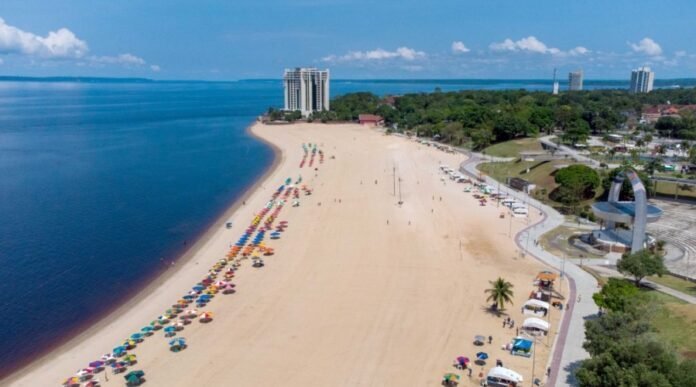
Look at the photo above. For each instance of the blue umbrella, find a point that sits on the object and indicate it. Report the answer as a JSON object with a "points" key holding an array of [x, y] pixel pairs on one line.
{"points": [[482, 356], [170, 329], [120, 350], [178, 341], [198, 288], [147, 329], [136, 336]]}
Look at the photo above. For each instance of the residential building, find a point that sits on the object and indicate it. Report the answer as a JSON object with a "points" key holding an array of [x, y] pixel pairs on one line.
{"points": [[642, 80], [370, 120], [575, 80], [651, 113], [306, 90]]}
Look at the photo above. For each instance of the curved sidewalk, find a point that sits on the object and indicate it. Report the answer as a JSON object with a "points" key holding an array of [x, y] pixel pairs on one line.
{"points": [[568, 351]]}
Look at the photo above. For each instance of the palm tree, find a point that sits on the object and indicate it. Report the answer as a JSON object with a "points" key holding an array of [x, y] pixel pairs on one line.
{"points": [[500, 293]]}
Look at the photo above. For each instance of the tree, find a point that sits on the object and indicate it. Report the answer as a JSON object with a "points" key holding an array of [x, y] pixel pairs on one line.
{"points": [[499, 293], [641, 264], [577, 131], [615, 295], [577, 182]]}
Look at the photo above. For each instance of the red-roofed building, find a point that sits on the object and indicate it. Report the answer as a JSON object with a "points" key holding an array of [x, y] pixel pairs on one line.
{"points": [[653, 113], [370, 120]]}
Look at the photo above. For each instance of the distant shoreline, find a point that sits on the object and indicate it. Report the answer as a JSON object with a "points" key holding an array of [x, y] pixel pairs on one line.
{"points": [[659, 83]]}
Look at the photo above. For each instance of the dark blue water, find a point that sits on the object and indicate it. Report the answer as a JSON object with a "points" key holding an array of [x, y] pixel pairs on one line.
{"points": [[104, 184]]}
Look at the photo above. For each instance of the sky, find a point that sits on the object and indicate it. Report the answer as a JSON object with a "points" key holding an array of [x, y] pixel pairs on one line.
{"points": [[358, 39]]}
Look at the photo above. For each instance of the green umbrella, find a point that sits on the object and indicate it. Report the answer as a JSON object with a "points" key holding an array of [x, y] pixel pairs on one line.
{"points": [[133, 377]]}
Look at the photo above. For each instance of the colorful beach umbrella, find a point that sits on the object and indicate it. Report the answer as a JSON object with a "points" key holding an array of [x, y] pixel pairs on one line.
{"points": [[178, 341], [130, 359], [136, 336], [134, 377], [482, 356], [96, 364], [72, 381], [119, 351], [450, 377]]}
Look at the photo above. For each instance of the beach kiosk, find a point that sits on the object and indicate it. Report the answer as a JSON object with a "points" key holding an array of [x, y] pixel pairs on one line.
{"points": [[545, 280], [503, 377], [536, 307], [521, 346], [536, 326]]}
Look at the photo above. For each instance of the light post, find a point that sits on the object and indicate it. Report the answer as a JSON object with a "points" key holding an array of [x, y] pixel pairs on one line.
{"points": [[534, 360]]}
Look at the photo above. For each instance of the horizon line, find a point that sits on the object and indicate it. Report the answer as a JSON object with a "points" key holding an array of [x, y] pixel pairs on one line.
{"points": [[4, 78]]}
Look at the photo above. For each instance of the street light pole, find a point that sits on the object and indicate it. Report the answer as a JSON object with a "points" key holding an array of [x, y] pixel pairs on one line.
{"points": [[534, 360]]}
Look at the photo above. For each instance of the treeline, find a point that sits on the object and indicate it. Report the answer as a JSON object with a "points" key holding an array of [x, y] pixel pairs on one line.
{"points": [[482, 117], [624, 346]]}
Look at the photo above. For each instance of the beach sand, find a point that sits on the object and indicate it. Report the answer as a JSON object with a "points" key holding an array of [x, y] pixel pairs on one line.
{"points": [[361, 291]]}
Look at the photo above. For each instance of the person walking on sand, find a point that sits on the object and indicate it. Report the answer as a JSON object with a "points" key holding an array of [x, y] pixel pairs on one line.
{"points": [[490, 339]]}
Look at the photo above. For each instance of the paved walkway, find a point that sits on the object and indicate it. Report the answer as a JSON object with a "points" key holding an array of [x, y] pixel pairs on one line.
{"points": [[568, 351], [546, 141]]}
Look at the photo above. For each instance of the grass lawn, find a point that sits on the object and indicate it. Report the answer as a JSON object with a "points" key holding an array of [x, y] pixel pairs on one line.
{"points": [[669, 188], [675, 322], [513, 148], [541, 174], [675, 283]]}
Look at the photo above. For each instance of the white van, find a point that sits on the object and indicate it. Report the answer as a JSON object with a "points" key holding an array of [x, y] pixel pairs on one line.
{"points": [[507, 201], [520, 211]]}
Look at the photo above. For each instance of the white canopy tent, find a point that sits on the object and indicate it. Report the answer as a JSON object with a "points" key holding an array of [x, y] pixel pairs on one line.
{"points": [[503, 376], [536, 323], [536, 307]]}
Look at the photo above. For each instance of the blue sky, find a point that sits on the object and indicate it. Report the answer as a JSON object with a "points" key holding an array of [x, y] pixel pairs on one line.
{"points": [[235, 39]]}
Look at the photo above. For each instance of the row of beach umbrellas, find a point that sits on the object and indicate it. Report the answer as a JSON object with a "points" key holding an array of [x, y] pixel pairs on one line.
{"points": [[200, 294]]}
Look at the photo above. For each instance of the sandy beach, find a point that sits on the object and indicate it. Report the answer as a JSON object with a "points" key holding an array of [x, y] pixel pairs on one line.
{"points": [[361, 291]]}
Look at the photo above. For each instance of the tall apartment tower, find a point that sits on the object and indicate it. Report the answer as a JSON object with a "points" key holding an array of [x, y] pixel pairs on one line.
{"points": [[306, 90], [642, 80], [575, 80]]}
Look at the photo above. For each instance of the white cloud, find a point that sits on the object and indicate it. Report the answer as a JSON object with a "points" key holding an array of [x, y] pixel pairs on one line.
{"points": [[579, 50], [529, 44], [647, 46], [680, 54], [155, 68], [505, 45], [125, 59], [60, 44], [1, 61], [405, 53], [57, 44], [459, 47], [533, 45]]}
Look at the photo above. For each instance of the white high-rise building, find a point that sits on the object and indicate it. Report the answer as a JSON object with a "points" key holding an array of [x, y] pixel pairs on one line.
{"points": [[306, 90], [575, 80], [642, 80]]}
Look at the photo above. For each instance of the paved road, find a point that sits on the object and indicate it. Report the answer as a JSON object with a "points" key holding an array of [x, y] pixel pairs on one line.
{"points": [[568, 351], [546, 141]]}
